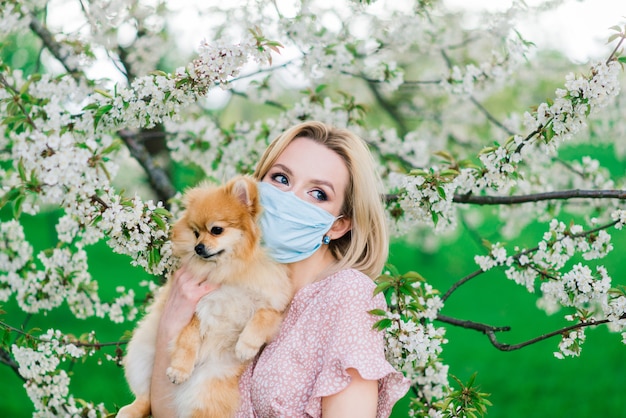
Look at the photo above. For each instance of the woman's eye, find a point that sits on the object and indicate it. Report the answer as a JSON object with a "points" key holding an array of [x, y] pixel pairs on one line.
{"points": [[280, 178], [319, 195], [196, 233], [217, 230]]}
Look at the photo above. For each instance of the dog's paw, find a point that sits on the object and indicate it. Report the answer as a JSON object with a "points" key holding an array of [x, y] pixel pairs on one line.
{"points": [[177, 376], [245, 351]]}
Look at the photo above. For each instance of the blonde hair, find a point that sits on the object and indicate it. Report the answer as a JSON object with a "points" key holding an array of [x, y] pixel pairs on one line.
{"points": [[365, 247]]}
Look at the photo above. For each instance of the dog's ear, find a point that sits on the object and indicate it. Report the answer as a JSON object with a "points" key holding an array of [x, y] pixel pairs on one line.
{"points": [[190, 196], [244, 188]]}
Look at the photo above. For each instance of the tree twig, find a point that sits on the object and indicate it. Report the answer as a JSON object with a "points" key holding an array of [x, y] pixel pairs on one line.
{"points": [[491, 331], [77, 343], [489, 116], [537, 197]]}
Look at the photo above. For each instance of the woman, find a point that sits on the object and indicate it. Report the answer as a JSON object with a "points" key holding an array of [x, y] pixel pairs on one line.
{"points": [[326, 360]]}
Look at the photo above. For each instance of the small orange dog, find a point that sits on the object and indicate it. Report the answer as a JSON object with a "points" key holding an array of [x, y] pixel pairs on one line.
{"points": [[216, 238]]}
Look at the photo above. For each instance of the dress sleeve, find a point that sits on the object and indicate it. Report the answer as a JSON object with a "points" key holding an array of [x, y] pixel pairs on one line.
{"points": [[351, 342]]}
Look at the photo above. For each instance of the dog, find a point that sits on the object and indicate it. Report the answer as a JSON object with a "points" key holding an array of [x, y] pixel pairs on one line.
{"points": [[217, 238]]}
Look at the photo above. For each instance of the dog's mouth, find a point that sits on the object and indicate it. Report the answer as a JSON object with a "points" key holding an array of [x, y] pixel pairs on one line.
{"points": [[204, 252]]}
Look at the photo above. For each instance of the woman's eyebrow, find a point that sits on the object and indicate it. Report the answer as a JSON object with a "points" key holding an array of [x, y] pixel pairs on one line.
{"points": [[325, 183], [283, 168], [318, 182]]}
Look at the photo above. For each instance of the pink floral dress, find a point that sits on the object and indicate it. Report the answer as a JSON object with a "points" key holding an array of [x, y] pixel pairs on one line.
{"points": [[327, 330]]}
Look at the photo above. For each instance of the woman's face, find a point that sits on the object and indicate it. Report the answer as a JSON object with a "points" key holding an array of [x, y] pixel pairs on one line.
{"points": [[312, 172]]}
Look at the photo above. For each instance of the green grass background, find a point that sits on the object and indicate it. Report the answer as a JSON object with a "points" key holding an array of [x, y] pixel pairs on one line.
{"points": [[527, 383]]}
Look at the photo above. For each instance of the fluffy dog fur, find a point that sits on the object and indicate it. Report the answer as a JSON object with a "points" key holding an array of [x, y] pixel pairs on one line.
{"points": [[216, 238]]}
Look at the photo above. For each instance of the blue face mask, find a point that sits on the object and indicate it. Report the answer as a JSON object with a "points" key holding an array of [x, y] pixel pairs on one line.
{"points": [[291, 228]]}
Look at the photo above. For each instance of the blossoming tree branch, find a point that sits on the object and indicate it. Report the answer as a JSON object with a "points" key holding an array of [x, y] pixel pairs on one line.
{"points": [[409, 78]]}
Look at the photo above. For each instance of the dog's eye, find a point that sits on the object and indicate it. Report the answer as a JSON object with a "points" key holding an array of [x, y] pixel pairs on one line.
{"points": [[196, 233], [217, 230]]}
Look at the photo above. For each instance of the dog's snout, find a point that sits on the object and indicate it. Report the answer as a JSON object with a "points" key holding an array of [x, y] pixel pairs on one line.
{"points": [[200, 249]]}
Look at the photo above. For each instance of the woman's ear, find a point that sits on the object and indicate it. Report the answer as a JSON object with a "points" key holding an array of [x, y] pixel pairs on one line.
{"points": [[340, 228]]}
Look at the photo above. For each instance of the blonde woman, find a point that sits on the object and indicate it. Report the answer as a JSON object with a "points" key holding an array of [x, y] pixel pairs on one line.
{"points": [[323, 217]]}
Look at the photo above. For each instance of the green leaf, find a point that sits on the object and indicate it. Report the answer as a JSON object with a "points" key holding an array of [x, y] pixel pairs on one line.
{"points": [[104, 93], [21, 169], [91, 106], [435, 217], [102, 110], [381, 287], [10, 196], [449, 172], [158, 73], [154, 257], [163, 212], [613, 37], [115, 145], [6, 338], [408, 290], [17, 206], [414, 276], [394, 271], [378, 312], [16, 120], [159, 221], [445, 155], [382, 324]]}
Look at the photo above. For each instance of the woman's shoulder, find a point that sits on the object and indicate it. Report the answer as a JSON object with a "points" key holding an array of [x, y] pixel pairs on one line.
{"points": [[349, 284], [347, 279]]}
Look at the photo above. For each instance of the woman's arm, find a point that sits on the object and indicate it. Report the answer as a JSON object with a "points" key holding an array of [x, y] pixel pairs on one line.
{"points": [[358, 400], [178, 310]]}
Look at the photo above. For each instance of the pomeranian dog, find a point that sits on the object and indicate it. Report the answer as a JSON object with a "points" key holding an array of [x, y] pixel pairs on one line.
{"points": [[217, 238]]}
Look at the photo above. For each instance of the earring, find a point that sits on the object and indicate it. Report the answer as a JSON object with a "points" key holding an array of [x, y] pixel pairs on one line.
{"points": [[326, 239]]}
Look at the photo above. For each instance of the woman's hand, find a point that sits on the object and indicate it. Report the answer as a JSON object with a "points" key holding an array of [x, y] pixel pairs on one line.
{"points": [[185, 292], [178, 309]]}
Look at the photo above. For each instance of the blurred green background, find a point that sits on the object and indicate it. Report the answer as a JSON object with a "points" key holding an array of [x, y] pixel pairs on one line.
{"points": [[530, 382]]}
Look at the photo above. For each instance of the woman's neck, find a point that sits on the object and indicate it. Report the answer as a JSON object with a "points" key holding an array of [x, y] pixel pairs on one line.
{"points": [[311, 269]]}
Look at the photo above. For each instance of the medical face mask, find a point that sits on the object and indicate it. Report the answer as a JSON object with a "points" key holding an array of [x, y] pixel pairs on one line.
{"points": [[291, 228]]}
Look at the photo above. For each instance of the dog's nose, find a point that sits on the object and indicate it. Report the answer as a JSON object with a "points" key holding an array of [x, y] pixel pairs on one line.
{"points": [[200, 250]]}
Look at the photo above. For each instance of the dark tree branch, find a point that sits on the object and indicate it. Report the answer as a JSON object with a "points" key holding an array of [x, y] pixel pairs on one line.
{"points": [[158, 177], [537, 197], [53, 46], [460, 283], [477, 326], [557, 195], [5, 358], [491, 331], [388, 107]]}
